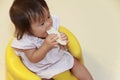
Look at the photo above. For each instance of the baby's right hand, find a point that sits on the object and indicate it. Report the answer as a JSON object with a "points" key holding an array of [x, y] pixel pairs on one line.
{"points": [[50, 41]]}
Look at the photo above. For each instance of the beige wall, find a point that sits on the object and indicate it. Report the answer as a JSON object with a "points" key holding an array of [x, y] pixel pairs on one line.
{"points": [[96, 24]]}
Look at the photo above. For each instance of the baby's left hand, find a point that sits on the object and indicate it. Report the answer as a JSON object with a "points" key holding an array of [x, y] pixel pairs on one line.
{"points": [[64, 37]]}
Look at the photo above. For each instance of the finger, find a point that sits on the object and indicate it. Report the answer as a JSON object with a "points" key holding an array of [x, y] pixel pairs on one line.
{"points": [[64, 38], [54, 38], [62, 34]]}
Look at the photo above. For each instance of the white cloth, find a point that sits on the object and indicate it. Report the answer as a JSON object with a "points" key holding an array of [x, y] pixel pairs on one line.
{"points": [[55, 61]]}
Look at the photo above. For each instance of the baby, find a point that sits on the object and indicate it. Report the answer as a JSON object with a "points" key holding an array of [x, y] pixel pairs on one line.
{"points": [[38, 42]]}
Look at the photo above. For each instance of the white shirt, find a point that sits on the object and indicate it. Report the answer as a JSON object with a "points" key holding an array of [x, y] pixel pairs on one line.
{"points": [[55, 61]]}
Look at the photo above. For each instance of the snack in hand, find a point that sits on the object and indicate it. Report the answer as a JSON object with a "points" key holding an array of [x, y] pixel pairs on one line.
{"points": [[54, 31]]}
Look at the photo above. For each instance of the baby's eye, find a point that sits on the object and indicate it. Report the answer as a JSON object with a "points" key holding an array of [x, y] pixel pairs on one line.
{"points": [[42, 24], [48, 17]]}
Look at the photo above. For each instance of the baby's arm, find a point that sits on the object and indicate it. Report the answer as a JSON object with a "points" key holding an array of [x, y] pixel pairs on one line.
{"points": [[36, 55]]}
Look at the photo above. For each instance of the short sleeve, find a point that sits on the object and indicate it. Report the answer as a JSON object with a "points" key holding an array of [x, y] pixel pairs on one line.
{"points": [[24, 43]]}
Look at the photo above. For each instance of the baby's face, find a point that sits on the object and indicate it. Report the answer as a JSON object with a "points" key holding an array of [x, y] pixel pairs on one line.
{"points": [[39, 28]]}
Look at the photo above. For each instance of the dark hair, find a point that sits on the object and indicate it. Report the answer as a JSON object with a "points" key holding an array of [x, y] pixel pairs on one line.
{"points": [[23, 12]]}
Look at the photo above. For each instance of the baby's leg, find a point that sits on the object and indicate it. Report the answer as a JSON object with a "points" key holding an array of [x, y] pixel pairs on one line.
{"points": [[65, 76], [80, 71]]}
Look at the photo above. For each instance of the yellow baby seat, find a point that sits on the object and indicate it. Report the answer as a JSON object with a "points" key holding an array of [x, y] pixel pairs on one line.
{"points": [[15, 69]]}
